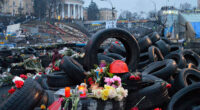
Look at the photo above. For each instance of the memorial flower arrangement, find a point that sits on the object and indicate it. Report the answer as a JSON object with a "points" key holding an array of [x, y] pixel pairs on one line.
{"points": [[105, 85], [18, 83]]}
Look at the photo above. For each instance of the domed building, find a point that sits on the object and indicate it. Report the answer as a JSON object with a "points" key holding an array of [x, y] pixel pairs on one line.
{"points": [[72, 9]]}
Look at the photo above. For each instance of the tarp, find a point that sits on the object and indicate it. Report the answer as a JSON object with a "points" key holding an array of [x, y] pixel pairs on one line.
{"points": [[190, 24], [196, 26]]}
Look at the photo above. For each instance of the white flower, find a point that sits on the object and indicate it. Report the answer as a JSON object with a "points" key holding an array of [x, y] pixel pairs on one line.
{"points": [[119, 98], [97, 93], [112, 93], [17, 78]]}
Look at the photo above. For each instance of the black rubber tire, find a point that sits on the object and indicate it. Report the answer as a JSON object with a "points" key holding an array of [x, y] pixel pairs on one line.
{"points": [[44, 84], [108, 59], [59, 79], [45, 60], [187, 77], [166, 40], [155, 37], [29, 50], [164, 47], [144, 60], [4, 92], [192, 57], [79, 60], [175, 48], [156, 95], [25, 98], [73, 69], [162, 69], [191, 65], [4, 52], [178, 57], [17, 70], [114, 56], [155, 54], [144, 43], [51, 97], [115, 48], [186, 98], [128, 40]]}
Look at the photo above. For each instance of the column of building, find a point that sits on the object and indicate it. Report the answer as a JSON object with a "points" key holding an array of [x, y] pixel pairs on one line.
{"points": [[74, 10]]}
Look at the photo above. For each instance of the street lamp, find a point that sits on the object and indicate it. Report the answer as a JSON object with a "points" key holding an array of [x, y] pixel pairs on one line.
{"points": [[113, 8], [155, 8]]}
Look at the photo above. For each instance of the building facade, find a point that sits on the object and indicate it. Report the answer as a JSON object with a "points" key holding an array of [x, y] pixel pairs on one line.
{"points": [[72, 9], [198, 3], [17, 7], [106, 14]]}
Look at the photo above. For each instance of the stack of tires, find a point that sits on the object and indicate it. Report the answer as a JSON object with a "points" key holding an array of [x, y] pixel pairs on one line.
{"points": [[28, 97], [160, 62]]}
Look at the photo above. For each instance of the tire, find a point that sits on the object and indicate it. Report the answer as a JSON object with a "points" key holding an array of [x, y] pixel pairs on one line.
{"points": [[114, 56], [79, 60], [59, 79], [192, 57], [162, 69], [191, 65], [115, 48], [73, 69], [17, 70], [166, 40], [98, 104], [24, 98], [156, 95], [175, 48], [29, 50], [178, 58], [4, 92], [164, 47], [129, 42], [44, 84], [144, 60], [45, 60], [108, 59], [155, 54], [51, 97], [186, 99], [155, 37], [144, 43], [187, 77], [4, 52]]}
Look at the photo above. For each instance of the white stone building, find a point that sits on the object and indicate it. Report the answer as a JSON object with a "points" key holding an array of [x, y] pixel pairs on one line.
{"points": [[72, 9]]}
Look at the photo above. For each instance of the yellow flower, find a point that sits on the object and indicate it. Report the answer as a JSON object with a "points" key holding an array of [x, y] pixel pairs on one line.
{"points": [[104, 94], [107, 87], [42, 107], [104, 97]]}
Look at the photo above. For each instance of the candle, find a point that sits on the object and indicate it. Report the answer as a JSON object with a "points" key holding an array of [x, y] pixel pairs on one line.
{"points": [[82, 91], [67, 92]]}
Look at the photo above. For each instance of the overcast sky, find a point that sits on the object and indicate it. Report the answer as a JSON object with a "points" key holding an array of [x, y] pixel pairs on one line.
{"points": [[139, 5]]}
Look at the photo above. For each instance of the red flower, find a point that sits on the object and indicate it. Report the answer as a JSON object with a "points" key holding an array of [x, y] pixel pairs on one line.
{"points": [[45, 73], [40, 73], [135, 108], [23, 76], [157, 109], [168, 86], [137, 78], [56, 68], [11, 91], [132, 77], [19, 84], [89, 79], [91, 82]]}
